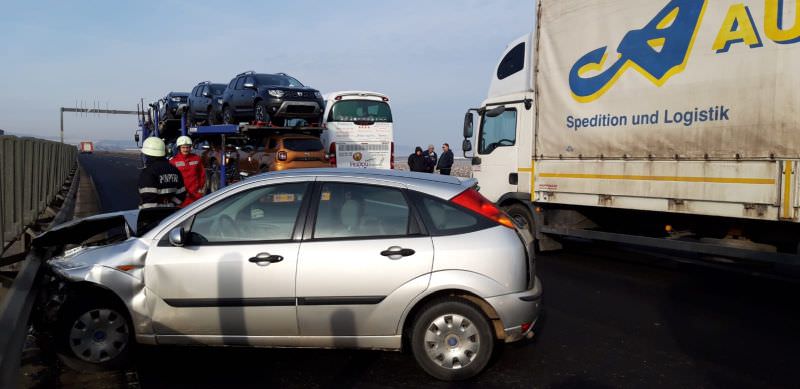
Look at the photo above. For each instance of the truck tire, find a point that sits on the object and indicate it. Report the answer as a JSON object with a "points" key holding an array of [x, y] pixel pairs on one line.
{"points": [[94, 334], [521, 215], [452, 340]]}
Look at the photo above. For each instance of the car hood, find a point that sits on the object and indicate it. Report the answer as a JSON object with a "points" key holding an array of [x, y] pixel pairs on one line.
{"points": [[132, 223]]}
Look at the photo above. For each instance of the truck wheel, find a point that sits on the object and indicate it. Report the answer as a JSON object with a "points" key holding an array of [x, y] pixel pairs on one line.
{"points": [[228, 116], [452, 340], [94, 335], [521, 215]]}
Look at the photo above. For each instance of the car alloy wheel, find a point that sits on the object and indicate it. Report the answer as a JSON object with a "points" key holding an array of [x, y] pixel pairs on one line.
{"points": [[227, 115], [261, 114]]}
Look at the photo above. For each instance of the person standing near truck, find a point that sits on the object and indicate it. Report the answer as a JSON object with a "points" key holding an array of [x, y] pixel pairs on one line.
{"points": [[191, 168], [160, 184], [416, 161], [430, 158], [445, 161]]}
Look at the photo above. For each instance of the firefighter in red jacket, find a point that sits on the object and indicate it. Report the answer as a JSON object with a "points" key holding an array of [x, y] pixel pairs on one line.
{"points": [[194, 175]]}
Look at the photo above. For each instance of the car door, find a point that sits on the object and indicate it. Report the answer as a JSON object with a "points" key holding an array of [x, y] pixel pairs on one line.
{"points": [[204, 100], [364, 260], [247, 96], [234, 277]]}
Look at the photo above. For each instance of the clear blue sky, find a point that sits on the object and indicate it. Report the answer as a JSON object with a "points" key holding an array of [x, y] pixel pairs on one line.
{"points": [[433, 58]]}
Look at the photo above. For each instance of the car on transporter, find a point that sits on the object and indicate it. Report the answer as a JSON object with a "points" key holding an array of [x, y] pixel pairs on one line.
{"points": [[205, 103], [329, 258], [271, 99]]}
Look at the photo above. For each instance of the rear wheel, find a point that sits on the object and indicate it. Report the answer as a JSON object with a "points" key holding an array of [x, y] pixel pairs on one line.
{"points": [[452, 340], [94, 335]]}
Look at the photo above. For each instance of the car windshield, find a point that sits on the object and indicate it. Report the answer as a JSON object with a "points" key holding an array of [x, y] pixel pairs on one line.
{"points": [[299, 144], [218, 89], [361, 110], [277, 80]]}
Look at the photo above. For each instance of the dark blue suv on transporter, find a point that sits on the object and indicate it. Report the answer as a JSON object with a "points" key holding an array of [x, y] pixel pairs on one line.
{"points": [[270, 98]]}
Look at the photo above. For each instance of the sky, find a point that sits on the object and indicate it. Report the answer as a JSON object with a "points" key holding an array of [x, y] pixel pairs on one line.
{"points": [[433, 58]]}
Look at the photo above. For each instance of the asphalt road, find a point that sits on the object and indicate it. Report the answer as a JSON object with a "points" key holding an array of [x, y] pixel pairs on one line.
{"points": [[612, 319]]}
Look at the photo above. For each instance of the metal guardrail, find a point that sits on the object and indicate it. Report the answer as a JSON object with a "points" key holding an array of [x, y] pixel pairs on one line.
{"points": [[16, 307], [32, 172]]}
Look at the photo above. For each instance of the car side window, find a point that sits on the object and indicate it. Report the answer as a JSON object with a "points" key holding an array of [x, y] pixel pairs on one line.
{"points": [[353, 210], [239, 83], [264, 214], [205, 89], [443, 218], [232, 83], [250, 80]]}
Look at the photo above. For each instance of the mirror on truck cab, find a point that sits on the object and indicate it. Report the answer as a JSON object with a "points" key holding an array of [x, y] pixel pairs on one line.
{"points": [[136, 138], [496, 111], [468, 125], [466, 146]]}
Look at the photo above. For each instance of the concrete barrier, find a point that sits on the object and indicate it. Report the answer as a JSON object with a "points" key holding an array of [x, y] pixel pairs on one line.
{"points": [[32, 172]]}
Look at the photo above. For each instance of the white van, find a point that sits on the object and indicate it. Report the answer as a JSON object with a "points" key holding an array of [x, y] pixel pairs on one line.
{"points": [[358, 130]]}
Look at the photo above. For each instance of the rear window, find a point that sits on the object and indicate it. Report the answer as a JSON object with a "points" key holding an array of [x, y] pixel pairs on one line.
{"points": [[360, 111], [303, 144], [444, 218]]}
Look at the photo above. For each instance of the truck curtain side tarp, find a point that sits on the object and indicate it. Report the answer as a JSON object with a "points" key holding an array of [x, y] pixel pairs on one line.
{"points": [[700, 79]]}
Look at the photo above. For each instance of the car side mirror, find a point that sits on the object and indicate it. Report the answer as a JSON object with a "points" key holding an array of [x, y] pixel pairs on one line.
{"points": [[496, 111], [206, 94], [249, 85], [466, 145], [177, 236], [468, 125]]}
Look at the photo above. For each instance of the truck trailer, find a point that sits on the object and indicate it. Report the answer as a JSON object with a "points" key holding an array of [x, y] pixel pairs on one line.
{"points": [[668, 124]]}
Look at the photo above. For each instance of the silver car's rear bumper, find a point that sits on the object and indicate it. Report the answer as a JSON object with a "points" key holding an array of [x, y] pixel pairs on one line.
{"points": [[517, 310]]}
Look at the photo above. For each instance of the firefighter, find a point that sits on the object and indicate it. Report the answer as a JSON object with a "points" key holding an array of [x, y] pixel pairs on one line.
{"points": [[192, 170], [160, 184]]}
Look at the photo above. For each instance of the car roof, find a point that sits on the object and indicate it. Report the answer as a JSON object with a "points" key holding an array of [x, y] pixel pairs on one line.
{"points": [[434, 184]]}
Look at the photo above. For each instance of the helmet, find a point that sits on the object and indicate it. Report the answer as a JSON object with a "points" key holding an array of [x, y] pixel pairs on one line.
{"points": [[183, 141], [154, 147]]}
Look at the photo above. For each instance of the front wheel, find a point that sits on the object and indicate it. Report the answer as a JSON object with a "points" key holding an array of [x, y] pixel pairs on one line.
{"points": [[521, 215], [228, 116], [94, 335], [452, 340]]}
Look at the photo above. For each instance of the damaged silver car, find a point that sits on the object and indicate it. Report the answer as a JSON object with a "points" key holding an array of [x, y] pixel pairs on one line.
{"points": [[332, 258]]}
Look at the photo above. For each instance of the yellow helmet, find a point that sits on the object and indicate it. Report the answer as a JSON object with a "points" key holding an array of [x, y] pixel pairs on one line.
{"points": [[183, 141], [154, 147]]}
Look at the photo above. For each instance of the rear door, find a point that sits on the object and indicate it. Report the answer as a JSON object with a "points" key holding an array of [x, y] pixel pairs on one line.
{"points": [[362, 262]]}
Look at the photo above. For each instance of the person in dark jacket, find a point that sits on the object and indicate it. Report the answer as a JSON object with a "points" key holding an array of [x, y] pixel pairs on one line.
{"points": [[430, 158], [160, 183], [416, 161], [445, 161]]}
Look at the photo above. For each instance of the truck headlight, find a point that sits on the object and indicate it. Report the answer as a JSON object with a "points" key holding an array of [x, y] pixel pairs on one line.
{"points": [[275, 93], [318, 95]]}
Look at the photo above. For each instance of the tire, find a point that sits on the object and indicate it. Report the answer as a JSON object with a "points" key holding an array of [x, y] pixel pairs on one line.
{"points": [[521, 216], [260, 113], [467, 333], [228, 117], [212, 179], [211, 118], [190, 119], [94, 335]]}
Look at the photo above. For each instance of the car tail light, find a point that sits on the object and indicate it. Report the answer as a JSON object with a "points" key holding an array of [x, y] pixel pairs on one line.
{"points": [[474, 201], [282, 156], [391, 157], [332, 154]]}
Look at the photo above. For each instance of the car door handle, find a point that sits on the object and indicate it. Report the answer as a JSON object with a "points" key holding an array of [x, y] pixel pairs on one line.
{"points": [[397, 252], [266, 257]]}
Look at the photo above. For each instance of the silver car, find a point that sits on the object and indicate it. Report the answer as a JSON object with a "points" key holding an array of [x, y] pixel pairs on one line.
{"points": [[332, 258]]}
